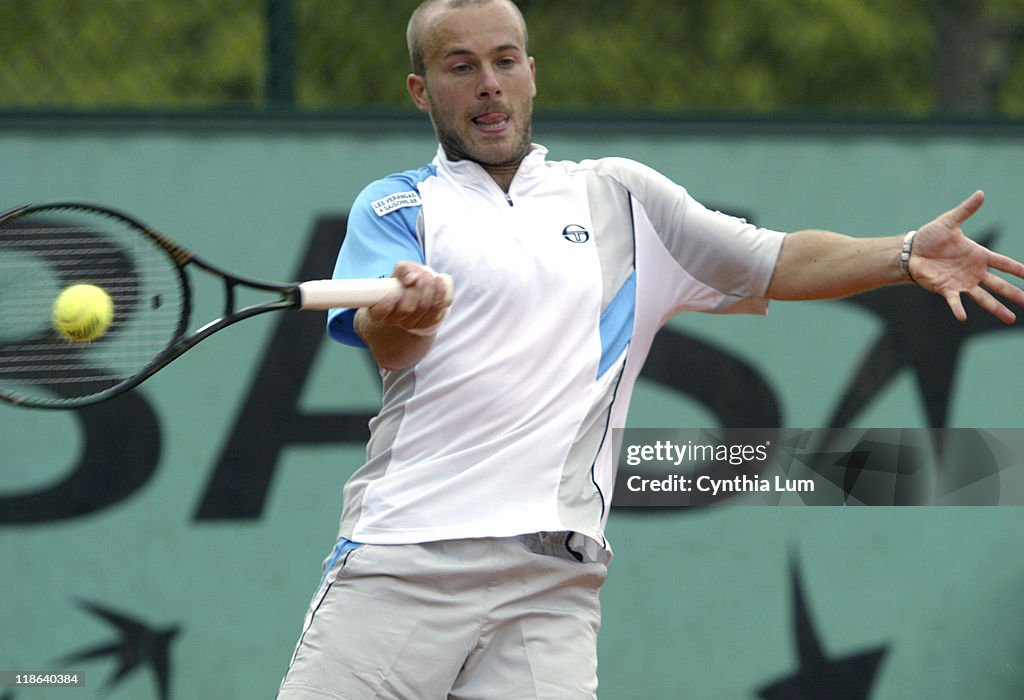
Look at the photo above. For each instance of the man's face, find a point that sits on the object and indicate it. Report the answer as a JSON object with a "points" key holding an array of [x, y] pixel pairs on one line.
{"points": [[479, 83]]}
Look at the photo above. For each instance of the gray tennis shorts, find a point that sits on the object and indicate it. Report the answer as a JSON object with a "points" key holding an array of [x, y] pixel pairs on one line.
{"points": [[510, 618]]}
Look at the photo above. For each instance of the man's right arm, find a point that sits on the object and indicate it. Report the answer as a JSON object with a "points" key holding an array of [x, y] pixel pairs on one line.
{"points": [[400, 329]]}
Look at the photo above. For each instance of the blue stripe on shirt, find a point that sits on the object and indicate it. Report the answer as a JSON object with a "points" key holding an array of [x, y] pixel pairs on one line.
{"points": [[374, 244], [617, 324]]}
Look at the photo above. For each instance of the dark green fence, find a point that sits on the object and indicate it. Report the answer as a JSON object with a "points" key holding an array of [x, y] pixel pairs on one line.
{"points": [[892, 57]]}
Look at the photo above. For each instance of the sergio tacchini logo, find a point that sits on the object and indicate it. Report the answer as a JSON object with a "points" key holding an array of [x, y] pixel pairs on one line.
{"points": [[574, 233]]}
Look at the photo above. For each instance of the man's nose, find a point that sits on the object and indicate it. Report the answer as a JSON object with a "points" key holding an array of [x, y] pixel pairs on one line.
{"points": [[489, 84]]}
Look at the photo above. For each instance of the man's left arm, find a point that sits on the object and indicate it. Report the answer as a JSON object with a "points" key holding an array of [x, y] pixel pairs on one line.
{"points": [[826, 265]]}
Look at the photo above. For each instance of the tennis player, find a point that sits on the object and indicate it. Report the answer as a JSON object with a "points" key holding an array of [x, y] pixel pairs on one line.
{"points": [[471, 548]]}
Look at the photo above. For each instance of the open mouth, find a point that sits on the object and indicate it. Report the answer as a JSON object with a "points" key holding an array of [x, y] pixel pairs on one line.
{"points": [[492, 121]]}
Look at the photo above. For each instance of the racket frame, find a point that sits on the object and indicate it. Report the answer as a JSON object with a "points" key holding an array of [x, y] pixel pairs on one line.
{"points": [[312, 295]]}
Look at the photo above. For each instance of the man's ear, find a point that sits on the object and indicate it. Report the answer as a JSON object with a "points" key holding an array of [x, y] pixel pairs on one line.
{"points": [[417, 87]]}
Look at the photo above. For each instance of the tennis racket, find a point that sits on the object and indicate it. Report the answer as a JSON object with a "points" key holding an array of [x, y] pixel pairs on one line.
{"points": [[46, 248]]}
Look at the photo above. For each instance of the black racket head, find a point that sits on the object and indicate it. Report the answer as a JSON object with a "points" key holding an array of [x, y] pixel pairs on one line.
{"points": [[46, 248]]}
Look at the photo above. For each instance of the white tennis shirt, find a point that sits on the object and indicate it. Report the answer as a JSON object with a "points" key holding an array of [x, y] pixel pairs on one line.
{"points": [[504, 427]]}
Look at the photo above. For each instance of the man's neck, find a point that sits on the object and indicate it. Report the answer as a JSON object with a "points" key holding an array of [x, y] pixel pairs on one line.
{"points": [[502, 174]]}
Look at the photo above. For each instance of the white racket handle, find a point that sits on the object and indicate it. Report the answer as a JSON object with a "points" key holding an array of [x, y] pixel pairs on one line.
{"points": [[351, 293]]}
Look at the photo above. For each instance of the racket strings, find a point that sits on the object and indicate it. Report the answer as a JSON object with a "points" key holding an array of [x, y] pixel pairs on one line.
{"points": [[47, 251]]}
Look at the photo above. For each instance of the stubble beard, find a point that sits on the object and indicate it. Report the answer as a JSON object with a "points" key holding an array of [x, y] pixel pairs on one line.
{"points": [[457, 148]]}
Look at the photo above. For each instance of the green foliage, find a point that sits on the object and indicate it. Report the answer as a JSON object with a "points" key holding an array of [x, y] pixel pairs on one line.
{"points": [[130, 53], [739, 56], [352, 54], [1006, 54]]}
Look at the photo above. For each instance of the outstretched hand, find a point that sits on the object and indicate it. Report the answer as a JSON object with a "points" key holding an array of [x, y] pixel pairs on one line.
{"points": [[947, 262]]}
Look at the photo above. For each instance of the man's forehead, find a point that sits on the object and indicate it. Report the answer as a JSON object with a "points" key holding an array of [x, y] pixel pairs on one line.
{"points": [[458, 28]]}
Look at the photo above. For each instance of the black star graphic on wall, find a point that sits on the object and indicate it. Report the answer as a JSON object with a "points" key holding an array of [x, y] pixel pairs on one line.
{"points": [[921, 335], [818, 675], [137, 646]]}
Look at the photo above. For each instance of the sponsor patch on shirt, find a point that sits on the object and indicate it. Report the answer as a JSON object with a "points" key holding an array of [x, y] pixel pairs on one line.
{"points": [[398, 200]]}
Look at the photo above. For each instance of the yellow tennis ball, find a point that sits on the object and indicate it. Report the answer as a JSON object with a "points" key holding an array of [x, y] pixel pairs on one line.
{"points": [[83, 312]]}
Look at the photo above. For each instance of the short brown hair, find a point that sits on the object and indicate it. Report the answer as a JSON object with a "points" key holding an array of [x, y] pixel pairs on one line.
{"points": [[414, 30]]}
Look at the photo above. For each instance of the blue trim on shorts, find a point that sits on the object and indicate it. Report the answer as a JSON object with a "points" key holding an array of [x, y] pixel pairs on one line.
{"points": [[341, 548]]}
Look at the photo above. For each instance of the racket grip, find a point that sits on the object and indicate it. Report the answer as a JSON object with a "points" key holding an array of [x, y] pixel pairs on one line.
{"points": [[352, 293]]}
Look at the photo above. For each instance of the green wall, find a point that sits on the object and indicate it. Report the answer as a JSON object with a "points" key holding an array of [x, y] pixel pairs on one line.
{"points": [[922, 602]]}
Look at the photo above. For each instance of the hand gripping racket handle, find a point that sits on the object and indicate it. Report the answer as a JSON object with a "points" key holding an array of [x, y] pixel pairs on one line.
{"points": [[351, 293]]}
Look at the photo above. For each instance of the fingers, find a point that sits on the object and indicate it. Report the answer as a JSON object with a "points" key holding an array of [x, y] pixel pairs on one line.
{"points": [[966, 208], [956, 306], [980, 284], [988, 302], [1004, 289], [1006, 264], [985, 299], [422, 303]]}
